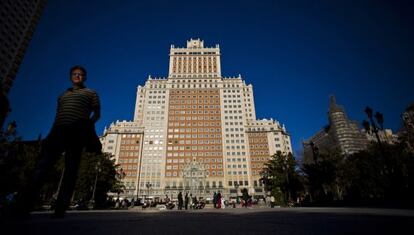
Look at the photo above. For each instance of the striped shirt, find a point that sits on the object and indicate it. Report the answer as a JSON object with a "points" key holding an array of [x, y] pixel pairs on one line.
{"points": [[77, 104]]}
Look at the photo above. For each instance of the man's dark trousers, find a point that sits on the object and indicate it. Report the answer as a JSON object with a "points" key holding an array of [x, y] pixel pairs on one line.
{"points": [[71, 140]]}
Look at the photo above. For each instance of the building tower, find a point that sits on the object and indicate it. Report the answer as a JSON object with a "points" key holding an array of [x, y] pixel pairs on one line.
{"points": [[340, 134], [18, 20], [200, 132]]}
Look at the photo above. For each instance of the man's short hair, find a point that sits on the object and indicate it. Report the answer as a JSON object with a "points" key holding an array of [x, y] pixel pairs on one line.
{"points": [[80, 67]]}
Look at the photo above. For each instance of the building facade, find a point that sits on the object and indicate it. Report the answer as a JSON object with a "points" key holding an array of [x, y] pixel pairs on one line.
{"points": [[340, 134], [198, 130], [18, 20], [407, 130]]}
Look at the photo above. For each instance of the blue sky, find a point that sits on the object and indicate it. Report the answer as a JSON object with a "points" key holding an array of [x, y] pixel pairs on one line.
{"points": [[295, 53]]}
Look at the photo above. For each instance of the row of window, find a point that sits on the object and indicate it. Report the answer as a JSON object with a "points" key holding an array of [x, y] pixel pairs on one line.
{"points": [[156, 102], [130, 160], [170, 141], [202, 100], [257, 165], [175, 173], [259, 153], [233, 117], [194, 85], [234, 141], [129, 141], [194, 75], [155, 92], [153, 148], [143, 174], [232, 101], [155, 107], [188, 118], [235, 147], [257, 140], [194, 154], [232, 106], [237, 166], [199, 136], [156, 97], [237, 172], [129, 154], [194, 112], [258, 146], [189, 124], [155, 112], [234, 135], [233, 123], [235, 153], [196, 147], [183, 130], [207, 184], [206, 166], [155, 118], [196, 53], [194, 107], [234, 129], [239, 183], [154, 142]]}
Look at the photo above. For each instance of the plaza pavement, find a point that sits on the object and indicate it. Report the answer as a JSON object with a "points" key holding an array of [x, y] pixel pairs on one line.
{"points": [[219, 221]]}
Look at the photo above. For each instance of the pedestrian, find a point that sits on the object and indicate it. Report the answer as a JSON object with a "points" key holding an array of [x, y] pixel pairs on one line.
{"points": [[195, 201], [186, 201], [191, 201], [245, 197], [73, 130], [215, 200], [180, 201], [218, 200], [132, 202], [272, 201]]}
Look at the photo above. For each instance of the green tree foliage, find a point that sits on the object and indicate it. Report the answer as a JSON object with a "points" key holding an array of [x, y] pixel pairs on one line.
{"points": [[97, 167], [379, 175], [382, 174], [324, 177], [281, 178], [18, 160]]}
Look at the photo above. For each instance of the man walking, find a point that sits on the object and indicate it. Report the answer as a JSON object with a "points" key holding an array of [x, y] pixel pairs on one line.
{"points": [[73, 130], [180, 201], [186, 201]]}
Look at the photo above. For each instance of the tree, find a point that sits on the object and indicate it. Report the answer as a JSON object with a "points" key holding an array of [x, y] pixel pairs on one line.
{"points": [[18, 160], [381, 174], [324, 177], [281, 178], [99, 167]]}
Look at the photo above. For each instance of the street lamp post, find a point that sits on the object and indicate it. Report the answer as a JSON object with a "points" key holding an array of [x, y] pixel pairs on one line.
{"points": [[375, 127], [236, 186], [120, 175], [286, 169], [97, 169], [148, 185], [372, 125]]}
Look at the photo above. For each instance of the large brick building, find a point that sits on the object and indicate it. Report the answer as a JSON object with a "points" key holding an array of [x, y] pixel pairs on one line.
{"points": [[194, 131]]}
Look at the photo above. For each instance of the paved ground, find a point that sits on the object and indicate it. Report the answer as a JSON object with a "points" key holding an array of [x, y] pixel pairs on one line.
{"points": [[229, 221]]}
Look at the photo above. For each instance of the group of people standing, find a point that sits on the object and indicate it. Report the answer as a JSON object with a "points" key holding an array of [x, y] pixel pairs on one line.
{"points": [[218, 201], [187, 201]]}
